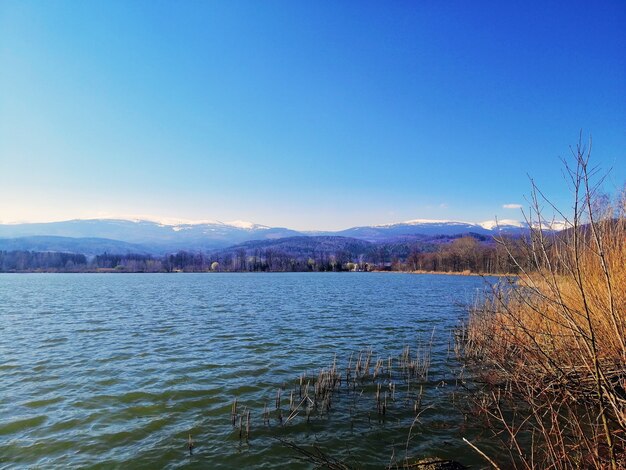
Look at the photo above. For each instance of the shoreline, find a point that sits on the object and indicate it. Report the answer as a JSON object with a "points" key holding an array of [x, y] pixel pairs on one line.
{"points": [[114, 271], [450, 273]]}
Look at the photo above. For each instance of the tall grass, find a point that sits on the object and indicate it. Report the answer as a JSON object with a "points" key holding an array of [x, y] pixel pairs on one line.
{"points": [[550, 346]]}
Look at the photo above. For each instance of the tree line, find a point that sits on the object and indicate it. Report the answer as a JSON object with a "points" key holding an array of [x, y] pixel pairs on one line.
{"points": [[468, 254], [19, 261]]}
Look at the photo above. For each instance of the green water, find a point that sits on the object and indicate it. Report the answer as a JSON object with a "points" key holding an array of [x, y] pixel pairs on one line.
{"points": [[116, 371]]}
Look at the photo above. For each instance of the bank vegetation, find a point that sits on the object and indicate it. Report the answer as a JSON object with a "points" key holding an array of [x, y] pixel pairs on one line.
{"points": [[549, 346]]}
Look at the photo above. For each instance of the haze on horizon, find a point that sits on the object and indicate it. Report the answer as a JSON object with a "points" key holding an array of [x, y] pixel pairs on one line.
{"points": [[307, 115]]}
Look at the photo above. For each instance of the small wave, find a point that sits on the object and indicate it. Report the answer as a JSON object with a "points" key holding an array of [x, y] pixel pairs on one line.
{"points": [[42, 403], [21, 424]]}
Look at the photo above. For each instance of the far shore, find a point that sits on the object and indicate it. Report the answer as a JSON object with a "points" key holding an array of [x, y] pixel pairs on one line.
{"points": [[449, 273], [121, 271]]}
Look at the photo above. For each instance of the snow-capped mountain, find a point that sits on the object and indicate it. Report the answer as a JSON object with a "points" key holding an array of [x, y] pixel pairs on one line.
{"points": [[432, 228], [153, 235], [162, 236], [513, 225]]}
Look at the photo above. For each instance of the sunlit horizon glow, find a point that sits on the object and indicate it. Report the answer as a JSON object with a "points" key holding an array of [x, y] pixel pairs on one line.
{"points": [[306, 115]]}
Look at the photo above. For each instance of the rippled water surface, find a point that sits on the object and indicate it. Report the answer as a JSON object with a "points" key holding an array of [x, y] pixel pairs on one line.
{"points": [[118, 370]]}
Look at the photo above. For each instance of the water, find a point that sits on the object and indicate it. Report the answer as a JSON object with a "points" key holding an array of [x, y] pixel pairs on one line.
{"points": [[117, 370]]}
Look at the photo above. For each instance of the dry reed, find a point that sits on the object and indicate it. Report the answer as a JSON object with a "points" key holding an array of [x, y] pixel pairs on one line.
{"points": [[551, 344]]}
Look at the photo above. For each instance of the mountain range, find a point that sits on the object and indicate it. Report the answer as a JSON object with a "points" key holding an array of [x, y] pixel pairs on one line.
{"points": [[95, 236]]}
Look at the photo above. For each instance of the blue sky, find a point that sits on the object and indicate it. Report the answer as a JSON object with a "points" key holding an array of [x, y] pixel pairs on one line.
{"points": [[311, 115]]}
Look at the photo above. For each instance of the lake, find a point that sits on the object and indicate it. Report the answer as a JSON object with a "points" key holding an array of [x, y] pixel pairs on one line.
{"points": [[119, 369]]}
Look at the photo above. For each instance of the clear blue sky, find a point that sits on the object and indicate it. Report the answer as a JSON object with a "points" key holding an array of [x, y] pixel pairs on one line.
{"points": [[312, 115]]}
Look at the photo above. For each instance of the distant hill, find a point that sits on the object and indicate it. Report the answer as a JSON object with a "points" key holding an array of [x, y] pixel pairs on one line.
{"points": [[85, 246], [144, 236], [303, 246], [323, 247]]}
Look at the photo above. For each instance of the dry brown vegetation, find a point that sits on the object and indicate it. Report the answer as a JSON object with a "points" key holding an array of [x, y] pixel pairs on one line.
{"points": [[550, 345]]}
